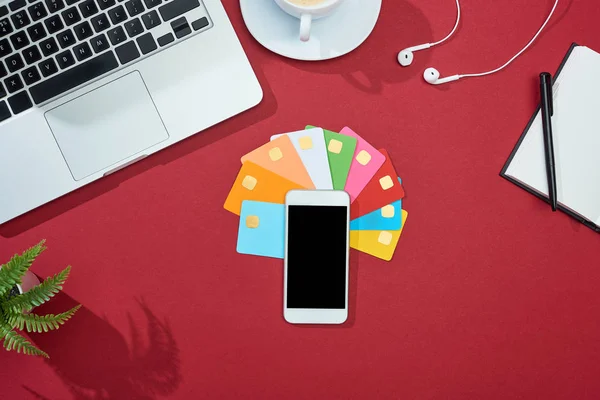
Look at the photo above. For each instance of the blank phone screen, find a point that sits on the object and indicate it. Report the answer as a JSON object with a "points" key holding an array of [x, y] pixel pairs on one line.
{"points": [[316, 257]]}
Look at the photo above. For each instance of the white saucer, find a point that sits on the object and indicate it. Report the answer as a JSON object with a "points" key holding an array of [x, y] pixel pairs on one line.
{"points": [[331, 37]]}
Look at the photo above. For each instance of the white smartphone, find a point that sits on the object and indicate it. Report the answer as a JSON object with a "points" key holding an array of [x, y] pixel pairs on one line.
{"points": [[316, 257]]}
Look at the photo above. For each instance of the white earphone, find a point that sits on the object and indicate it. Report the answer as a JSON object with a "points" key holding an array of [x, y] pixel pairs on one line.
{"points": [[432, 75], [406, 56]]}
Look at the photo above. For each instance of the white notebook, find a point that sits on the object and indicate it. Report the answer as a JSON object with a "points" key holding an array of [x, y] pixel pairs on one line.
{"points": [[576, 134]]}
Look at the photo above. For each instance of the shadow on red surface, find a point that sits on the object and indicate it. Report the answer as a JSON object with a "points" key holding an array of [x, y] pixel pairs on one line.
{"points": [[95, 360], [400, 25]]}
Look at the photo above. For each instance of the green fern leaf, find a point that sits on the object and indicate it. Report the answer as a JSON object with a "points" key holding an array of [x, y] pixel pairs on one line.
{"points": [[12, 272], [37, 295], [41, 323], [16, 342]]}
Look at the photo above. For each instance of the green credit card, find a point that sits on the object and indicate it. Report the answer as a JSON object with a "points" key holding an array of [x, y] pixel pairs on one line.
{"points": [[340, 152]]}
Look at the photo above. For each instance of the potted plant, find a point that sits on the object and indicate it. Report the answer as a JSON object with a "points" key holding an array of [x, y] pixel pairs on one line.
{"points": [[20, 292]]}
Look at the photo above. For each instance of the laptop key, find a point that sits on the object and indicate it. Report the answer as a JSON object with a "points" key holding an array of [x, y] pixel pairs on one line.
{"points": [[99, 43], [14, 62], [82, 51], [152, 3], [31, 54], [146, 43], [5, 27], [48, 67], [134, 7], [83, 30], [88, 8], [117, 14], [181, 27], [31, 75], [175, 8], [55, 5], [19, 40], [2, 91], [5, 48], [116, 35], [151, 19], [4, 111], [48, 46], [66, 38], [20, 102], [71, 16], [127, 52], [16, 4], [71, 78], [71, 2], [37, 11], [3, 11], [200, 23], [65, 59], [165, 39], [100, 23], [54, 24], [104, 4], [20, 19], [134, 27], [13, 83], [36, 32], [3, 71]]}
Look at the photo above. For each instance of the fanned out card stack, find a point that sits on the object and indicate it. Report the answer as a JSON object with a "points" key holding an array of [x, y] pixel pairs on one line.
{"points": [[318, 159]]}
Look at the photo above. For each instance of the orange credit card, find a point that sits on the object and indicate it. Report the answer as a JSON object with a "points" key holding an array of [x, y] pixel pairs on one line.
{"points": [[382, 189], [256, 183], [280, 157]]}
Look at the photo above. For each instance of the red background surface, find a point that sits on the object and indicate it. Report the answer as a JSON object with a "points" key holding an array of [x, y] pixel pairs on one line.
{"points": [[490, 295]]}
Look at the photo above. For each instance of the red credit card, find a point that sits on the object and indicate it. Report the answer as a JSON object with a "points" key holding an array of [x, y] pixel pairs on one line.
{"points": [[382, 190]]}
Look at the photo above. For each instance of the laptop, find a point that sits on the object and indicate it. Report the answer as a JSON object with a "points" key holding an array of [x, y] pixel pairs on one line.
{"points": [[88, 87]]}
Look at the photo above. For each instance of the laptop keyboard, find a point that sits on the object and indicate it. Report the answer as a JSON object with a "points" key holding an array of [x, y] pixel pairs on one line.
{"points": [[50, 47]]}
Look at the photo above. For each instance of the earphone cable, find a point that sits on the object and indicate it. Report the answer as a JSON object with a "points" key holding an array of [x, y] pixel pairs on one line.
{"points": [[519, 53]]}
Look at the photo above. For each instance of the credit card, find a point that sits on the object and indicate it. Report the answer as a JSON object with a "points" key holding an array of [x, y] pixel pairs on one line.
{"points": [[340, 152], [388, 218], [262, 229], [310, 145], [256, 183], [280, 157], [380, 244], [383, 189], [365, 164]]}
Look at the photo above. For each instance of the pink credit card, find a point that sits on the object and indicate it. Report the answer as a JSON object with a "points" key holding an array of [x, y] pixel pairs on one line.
{"points": [[365, 164]]}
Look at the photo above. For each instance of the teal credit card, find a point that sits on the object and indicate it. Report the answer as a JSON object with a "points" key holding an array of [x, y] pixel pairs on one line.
{"points": [[262, 229], [388, 218]]}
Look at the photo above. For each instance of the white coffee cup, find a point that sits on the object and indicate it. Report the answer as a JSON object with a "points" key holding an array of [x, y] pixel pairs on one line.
{"points": [[307, 10]]}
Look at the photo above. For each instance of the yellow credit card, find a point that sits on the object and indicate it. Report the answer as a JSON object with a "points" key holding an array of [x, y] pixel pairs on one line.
{"points": [[380, 244]]}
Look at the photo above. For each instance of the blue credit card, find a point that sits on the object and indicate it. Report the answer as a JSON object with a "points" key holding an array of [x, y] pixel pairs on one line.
{"points": [[262, 229], [388, 218]]}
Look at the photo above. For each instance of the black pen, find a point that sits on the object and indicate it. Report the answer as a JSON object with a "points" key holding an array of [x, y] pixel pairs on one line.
{"points": [[547, 112]]}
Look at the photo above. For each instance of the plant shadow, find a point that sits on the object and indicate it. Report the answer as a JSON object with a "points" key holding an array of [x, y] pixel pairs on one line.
{"points": [[96, 361], [374, 63], [266, 108]]}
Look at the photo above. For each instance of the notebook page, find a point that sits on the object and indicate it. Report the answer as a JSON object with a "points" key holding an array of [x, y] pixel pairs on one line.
{"points": [[576, 133]]}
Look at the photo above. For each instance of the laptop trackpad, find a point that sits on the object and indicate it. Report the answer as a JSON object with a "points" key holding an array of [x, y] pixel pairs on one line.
{"points": [[106, 126]]}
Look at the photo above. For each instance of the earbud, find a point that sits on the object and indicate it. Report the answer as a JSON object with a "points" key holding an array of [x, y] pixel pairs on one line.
{"points": [[406, 56], [432, 76]]}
